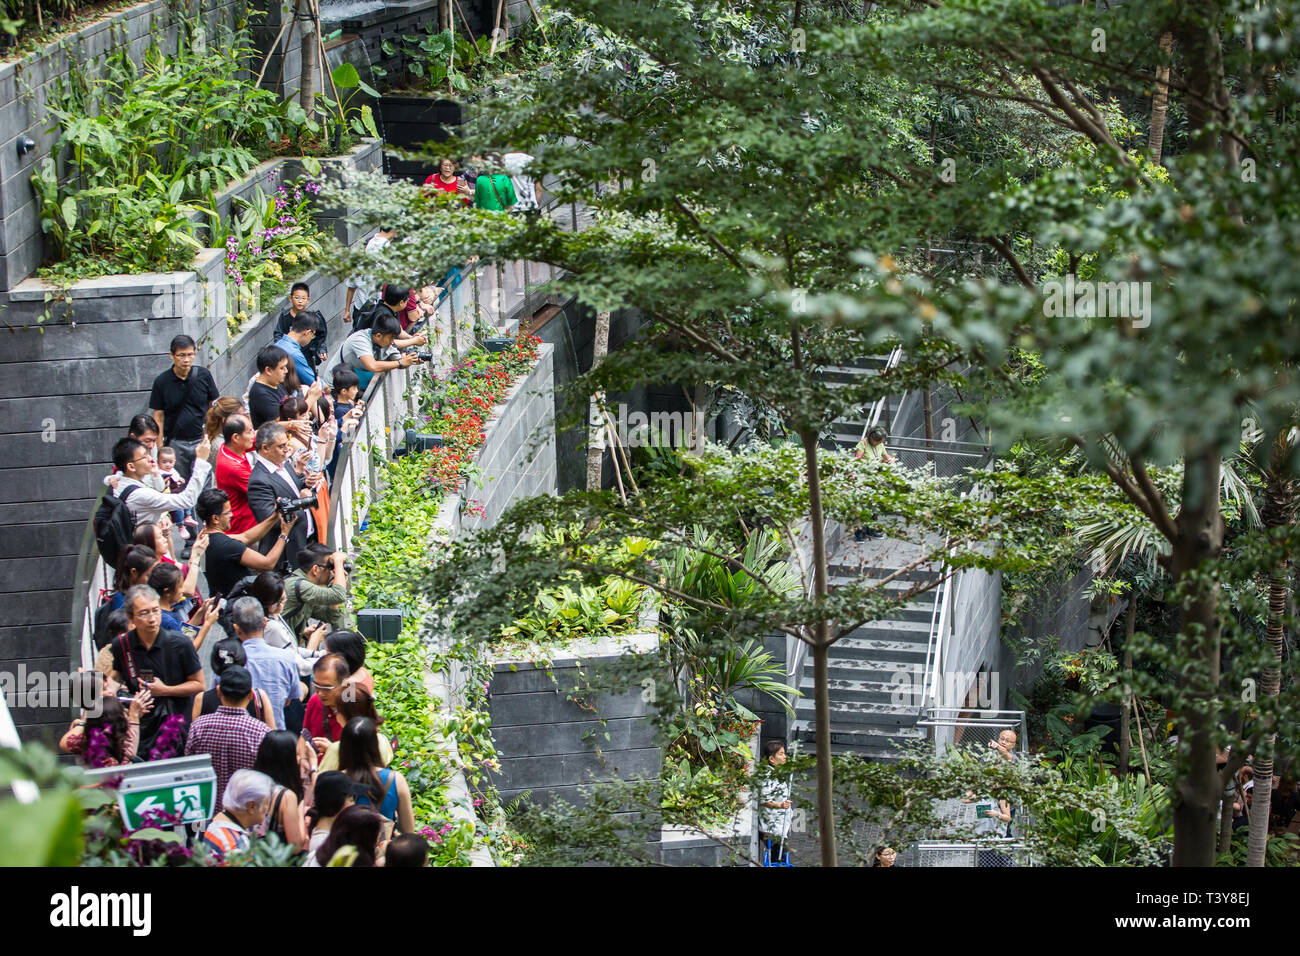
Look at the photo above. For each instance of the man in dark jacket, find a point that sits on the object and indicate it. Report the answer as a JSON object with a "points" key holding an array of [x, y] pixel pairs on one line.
{"points": [[274, 476]]}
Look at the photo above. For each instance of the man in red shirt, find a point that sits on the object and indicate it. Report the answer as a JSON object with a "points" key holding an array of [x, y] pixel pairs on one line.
{"points": [[328, 678], [233, 469]]}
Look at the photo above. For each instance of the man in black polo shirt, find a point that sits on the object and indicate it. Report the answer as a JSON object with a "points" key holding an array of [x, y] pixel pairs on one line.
{"points": [[180, 399], [163, 661], [316, 351]]}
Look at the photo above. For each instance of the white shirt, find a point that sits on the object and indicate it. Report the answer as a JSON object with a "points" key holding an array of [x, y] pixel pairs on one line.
{"points": [[525, 191], [283, 472], [146, 504], [367, 289]]}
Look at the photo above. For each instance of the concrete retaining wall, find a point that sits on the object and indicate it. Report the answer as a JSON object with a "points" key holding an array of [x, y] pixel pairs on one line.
{"points": [[553, 747], [25, 86]]}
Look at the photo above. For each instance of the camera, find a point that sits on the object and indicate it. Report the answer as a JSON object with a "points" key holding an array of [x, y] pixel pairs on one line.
{"points": [[291, 506], [424, 355]]}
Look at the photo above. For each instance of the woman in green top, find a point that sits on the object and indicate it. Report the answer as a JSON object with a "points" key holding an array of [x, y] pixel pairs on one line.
{"points": [[493, 190], [872, 447]]}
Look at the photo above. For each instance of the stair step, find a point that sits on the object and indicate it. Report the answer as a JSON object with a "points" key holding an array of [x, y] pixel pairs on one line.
{"points": [[874, 649], [900, 695], [865, 669], [854, 712], [880, 745]]}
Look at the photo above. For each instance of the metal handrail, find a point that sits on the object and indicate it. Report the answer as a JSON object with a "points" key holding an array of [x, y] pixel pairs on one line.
{"points": [[92, 575]]}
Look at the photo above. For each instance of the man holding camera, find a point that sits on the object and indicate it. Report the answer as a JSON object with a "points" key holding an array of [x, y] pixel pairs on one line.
{"points": [[273, 485], [372, 350], [318, 589]]}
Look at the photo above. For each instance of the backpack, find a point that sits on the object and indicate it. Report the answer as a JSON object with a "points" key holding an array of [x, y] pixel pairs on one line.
{"points": [[241, 588], [366, 319], [100, 632], [114, 525]]}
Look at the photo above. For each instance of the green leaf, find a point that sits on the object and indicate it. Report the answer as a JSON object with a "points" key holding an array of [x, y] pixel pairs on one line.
{"points": [[69, 210], [345, 75], [44, 833]]}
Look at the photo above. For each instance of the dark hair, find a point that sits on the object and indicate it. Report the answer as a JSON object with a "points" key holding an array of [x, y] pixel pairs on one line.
{"points": [[268, 588], [134, 559], [772, 746], [277, 757], [358, 703], [142, 425], [356, 827], [292, 407], [386, 325], [112, 722], [877, 433], [271, 356], [234, 425], [343, 378], [118, 624], [182, 342], [303, 322], [359, 755], [409, 849], [210, 504], [396, 294], [125, 451], [164, 577], [300, 285], [334, 662], [267, 433], [312, 555], [145, 533], [351, 645], [226, 652]]}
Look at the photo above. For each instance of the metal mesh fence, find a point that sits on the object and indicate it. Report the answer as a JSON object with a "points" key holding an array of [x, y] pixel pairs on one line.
{"points": [[991, 854]]}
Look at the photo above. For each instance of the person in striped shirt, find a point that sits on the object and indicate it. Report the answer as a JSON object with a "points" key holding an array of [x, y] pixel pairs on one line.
{"points": [[244, 802]]}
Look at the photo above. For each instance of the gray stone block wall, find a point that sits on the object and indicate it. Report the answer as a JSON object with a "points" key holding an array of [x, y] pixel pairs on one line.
{"points": [[1062, 613], [976, 644], [25, 86], [555, 748]]}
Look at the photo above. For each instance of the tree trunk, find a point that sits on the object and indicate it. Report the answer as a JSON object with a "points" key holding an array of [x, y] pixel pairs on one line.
{"points": [[821, 631], [825, 772], [1278, 510], [1126, 716], [310, 59], [1226, 817], [1198, 788], [596, 424], [1160, 101]]}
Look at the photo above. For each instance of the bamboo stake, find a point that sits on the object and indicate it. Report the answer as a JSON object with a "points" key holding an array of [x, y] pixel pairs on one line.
{"points": [[266, 61], [1137, 712], [464, 20], [538, 20], [619, 450], [496, 28]]}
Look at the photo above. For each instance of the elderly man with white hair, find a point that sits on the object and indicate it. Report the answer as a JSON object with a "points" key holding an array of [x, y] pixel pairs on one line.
{"points": [[244, 804]]}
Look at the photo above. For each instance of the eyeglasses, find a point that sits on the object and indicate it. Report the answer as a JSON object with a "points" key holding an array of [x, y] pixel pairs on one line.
{"points": [[150, 612], [136, 461]]}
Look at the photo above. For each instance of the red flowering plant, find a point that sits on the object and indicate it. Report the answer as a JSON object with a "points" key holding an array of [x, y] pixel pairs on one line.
{"points": [[462, 402]]}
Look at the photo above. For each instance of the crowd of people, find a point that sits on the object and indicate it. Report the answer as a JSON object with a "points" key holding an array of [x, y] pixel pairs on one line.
{"points": [[227, 628]]}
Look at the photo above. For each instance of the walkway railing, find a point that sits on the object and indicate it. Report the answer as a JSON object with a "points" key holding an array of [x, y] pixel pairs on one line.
{"points": [[494, 296]]}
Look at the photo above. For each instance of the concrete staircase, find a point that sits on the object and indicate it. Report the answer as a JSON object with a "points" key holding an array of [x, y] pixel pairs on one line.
{"points": [[874, 672], [848, 431]]}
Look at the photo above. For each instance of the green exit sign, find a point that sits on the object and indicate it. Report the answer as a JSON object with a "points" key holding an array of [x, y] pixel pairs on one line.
{"points": [[192, 802], [183, 787]]}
